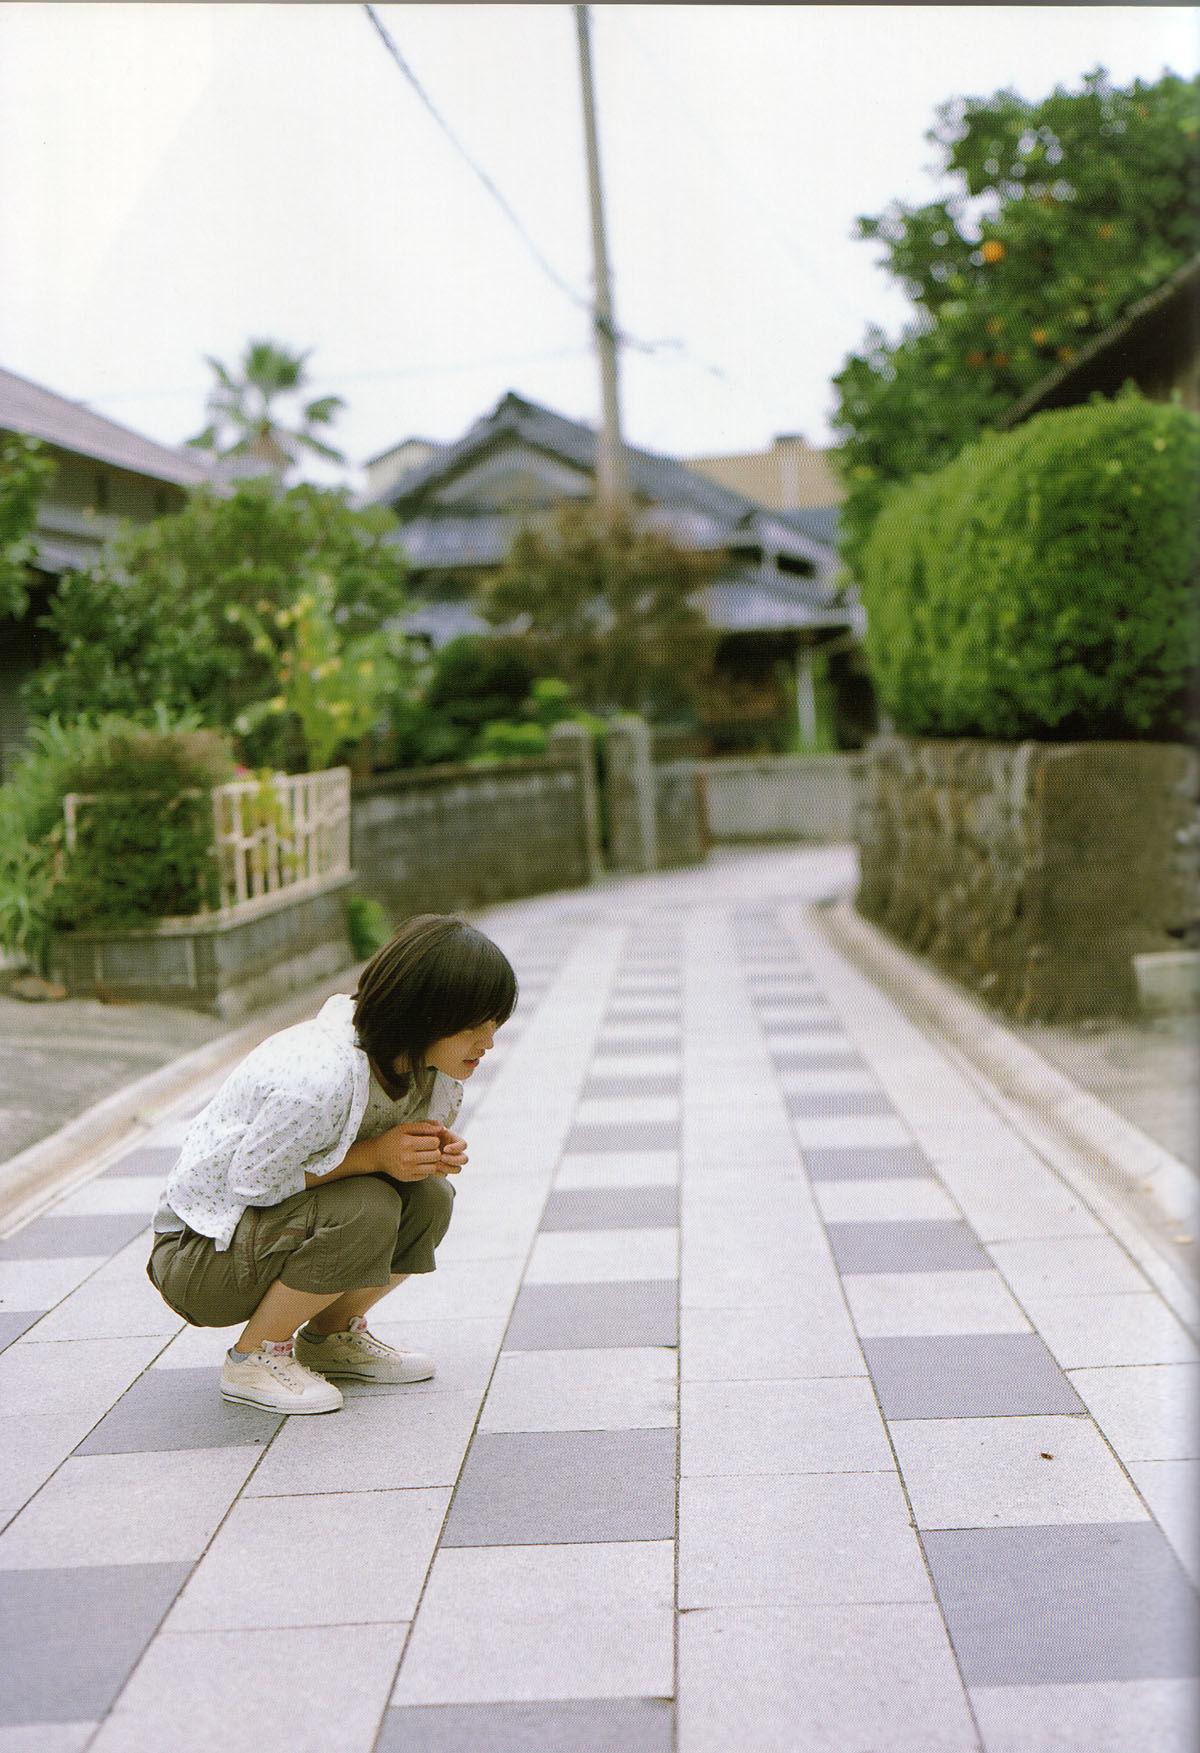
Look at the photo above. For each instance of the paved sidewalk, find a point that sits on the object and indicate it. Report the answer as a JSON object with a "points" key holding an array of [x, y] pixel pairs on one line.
{"points": [[788, 1402]]}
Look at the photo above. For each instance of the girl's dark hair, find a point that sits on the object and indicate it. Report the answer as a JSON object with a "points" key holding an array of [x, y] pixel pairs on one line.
{"points": [[438, 975]]}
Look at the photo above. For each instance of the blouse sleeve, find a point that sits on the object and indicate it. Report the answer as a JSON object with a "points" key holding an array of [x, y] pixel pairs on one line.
{"points": [[289, 1137]]}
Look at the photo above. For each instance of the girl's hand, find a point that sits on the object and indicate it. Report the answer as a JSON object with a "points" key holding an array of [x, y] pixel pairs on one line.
{"points": [[411, 1151], [453, 1152]]}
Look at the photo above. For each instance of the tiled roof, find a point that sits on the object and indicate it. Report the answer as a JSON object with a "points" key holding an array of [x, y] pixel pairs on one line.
{"points": [[656, 478], [39, 413]]}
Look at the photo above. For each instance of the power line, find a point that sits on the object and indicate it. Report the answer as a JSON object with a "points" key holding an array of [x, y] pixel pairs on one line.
{"points": [[332, 380], [576, 298]]}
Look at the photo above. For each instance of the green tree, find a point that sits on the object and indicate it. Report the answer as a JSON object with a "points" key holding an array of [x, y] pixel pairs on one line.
{"points": [[1057, 216], [160, 619], [609, 609], [24, 470], [244, 418]]}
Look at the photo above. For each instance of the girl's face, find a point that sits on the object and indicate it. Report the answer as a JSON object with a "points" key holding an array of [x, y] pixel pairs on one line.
{"points": [[459, 1055]]}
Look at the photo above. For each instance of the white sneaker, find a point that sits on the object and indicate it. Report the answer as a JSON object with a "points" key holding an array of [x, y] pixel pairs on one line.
{"points": [[272, 1378], [359, 1354]]}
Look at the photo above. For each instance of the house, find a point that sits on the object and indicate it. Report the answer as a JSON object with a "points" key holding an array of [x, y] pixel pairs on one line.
{"points": [[104, 474], [775, 601], [790, 476], [1155, 345]]}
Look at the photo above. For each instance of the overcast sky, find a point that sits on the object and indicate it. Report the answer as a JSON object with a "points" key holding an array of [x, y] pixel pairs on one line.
{"points": [[175, 179]]}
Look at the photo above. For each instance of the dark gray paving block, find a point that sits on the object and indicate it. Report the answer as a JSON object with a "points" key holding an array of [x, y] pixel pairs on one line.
{"points": [[72, 1637], [177, 1409], [1065, 1605], [153, 1159], [806, 1024], [14, 1322], [913, 1245], [886, 1163], [660, 1041], [833, 1059], [564, 1488], [837, 1104], [54, 1238], [612, 1208], [648, 1084], [648, 1014], [621, 1136], [574, 1317], [968, 1375], [568, 1725]]}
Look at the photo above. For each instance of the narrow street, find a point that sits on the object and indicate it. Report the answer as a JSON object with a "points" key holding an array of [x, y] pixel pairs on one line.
{"points": [[787, 1402]]}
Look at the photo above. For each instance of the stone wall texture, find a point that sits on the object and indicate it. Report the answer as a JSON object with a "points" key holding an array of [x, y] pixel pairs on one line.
{"points": [[440, 839], [1032, 872], [783, 797], [680, 815]]}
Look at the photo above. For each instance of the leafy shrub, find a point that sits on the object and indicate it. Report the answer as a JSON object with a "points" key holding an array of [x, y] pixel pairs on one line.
{"points": [[142, 850], [143, 847], [368, 926], [1042, 584]]}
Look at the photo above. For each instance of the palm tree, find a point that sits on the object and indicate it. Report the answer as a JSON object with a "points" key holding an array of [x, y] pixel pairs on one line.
{"points": [[243, 422]]}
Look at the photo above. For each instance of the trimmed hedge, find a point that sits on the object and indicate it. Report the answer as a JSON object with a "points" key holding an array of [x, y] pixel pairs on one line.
{"points": [[1042, 585]]}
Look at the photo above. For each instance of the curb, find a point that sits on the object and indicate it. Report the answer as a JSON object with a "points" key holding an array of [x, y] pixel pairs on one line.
{"points": [[1136, 1166], [46, 1168]]}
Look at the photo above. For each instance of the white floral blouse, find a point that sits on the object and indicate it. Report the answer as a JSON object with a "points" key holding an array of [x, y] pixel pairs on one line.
{"points": [[293, 1107]]}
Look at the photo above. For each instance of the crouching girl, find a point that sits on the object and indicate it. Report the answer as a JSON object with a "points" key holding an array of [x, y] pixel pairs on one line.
{"points": [[317, 1178]]}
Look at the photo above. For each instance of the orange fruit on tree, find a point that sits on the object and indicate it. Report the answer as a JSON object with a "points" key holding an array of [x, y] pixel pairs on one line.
{"points": [[993, 250]]}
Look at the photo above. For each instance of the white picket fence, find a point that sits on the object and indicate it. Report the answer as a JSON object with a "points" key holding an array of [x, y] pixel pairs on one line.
{"points": [[285, 835]]}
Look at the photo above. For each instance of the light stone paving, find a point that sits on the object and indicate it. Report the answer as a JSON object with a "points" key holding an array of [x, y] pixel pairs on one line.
{"points": [[494, 1544]]}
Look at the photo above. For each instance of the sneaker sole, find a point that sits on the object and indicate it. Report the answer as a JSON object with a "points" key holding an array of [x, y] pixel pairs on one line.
{"points": [[352, 1375], [268, 1406]]}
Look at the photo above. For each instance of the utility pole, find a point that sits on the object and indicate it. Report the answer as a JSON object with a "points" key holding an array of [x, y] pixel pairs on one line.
{"points": [[612, 480]]}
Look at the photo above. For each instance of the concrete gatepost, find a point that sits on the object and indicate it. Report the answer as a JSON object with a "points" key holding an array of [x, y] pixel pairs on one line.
{"points": [[630, 789], [574, 741]]}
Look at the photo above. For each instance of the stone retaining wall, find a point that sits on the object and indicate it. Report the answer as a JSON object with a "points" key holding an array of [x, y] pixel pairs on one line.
{"points": [[440, 839], [1032, 872]]}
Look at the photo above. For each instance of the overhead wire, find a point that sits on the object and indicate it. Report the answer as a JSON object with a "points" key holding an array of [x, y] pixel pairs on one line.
{"points": [[577, 298]]}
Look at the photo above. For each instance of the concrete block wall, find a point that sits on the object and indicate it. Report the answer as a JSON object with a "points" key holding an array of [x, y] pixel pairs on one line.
{"points": [[782, 797]]}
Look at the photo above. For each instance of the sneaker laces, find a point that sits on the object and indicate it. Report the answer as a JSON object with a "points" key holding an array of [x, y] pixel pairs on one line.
{"points": [[358, 1331], [279, 1357]]}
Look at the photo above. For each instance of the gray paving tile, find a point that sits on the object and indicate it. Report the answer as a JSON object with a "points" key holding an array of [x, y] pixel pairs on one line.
{"points": [[649, 1084], [554, 1317], [652, 1041], [806, 1023], [14, 1322], [564, 1488], [831, 1059], [968, 1375], [612, 1208], [1060, 1605], [54, 1238], [818, 1104], [569, 1725], [1119, 1716], [177, 1409], [868, 1678], [151, 1159], [207, 1692], [71, 1637], [861, 1163], [623, 1135], [916, 1245]]}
